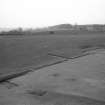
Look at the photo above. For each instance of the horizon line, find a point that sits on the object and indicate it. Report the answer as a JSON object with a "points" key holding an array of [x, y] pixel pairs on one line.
{"points": [[34, 27]]}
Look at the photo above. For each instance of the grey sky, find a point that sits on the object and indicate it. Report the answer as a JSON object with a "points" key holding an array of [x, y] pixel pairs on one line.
{"points": [[40, 13]]}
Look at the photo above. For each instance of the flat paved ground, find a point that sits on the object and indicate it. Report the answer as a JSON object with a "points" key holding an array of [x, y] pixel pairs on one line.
{"points": [[79, 81]]}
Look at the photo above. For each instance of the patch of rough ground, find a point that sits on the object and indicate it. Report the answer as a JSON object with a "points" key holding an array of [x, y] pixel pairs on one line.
{"points": [[19, 96]]}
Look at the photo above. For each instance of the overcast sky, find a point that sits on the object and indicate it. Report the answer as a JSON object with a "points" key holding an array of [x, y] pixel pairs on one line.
{"points": [[40, 13]]}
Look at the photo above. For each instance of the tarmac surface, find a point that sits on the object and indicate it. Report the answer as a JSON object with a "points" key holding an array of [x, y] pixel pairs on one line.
{"points": [[79, 81]]}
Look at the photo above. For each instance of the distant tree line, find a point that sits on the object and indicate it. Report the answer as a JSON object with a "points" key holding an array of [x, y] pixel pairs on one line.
{"points": [[18, 31], [56, 29]]}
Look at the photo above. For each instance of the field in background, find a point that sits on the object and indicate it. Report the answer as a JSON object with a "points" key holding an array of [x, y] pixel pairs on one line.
{"points": [[17, 52]]}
